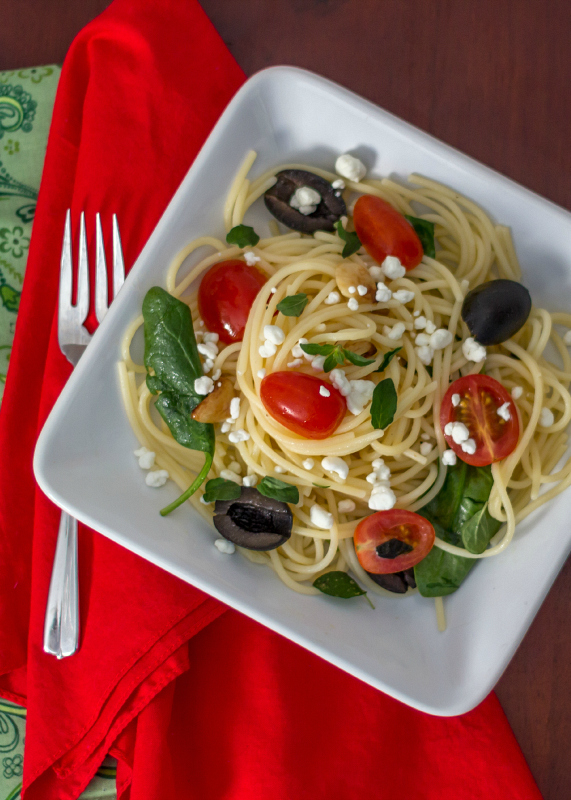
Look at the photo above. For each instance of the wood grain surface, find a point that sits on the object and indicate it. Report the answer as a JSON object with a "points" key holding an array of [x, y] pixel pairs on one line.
{"points": [[490, 78]]}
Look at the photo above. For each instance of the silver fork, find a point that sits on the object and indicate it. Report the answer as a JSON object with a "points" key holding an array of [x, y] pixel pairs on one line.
{"points": [[61, 626]]}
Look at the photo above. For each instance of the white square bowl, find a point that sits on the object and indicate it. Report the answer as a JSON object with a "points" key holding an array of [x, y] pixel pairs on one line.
{"points": [[84, 457]]}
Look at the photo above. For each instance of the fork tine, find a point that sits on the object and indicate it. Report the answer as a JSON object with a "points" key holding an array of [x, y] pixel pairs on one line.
{"points": [[118, 263], [66, 268], [82, 305], [101, 301]]}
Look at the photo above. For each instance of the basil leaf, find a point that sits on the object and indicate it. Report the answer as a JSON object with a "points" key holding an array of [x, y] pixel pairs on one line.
{"points": [[243, 236], [425, 232], [338, 584], [173, 364], [352, 241], [387, 358], [293, 305], [384, 404], [317, 349], [221, 489], [331, 362], [278, 490], [356, 359]]}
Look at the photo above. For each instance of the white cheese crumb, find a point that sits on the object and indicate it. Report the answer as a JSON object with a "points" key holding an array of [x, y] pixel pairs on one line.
{"points": [[332, 298], [295, 363], [238, 436], [425, 437], [262, 372], [335, 465], [472, 350], [146, 457], [378, 462], [449, 458], [360, 393], [345, 506], [458, 431], [317, 362], [403, 296], [235, 408], [225, 427], [305, 200], [382, 498], [425, 448], [397, 331], [504, 412], [469, 446], [380, 474], [420, 322], [321, 518], [203, 385], [224, 546], [267, 349], [352, 289], [350, 167], [338, 379], [425, 354], [308, 464], [440, 339], [278, 469], [392, 268], [274, 334], [296, 350], [456, 400], [353, 304], [376, 273], [216, 374], [416, 313], [517, 392], [208, 364], [230, 475], [211, 337], [207, 349], [546, 418], [324, 391], [567, 337], [250, 480], [362, 290], [251, 258], [383, 293], [430, 327], [338, 184], [422, 339], [157, 478]]}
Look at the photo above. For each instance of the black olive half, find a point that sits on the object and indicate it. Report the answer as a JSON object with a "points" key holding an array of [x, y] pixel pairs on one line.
{"points": [[253, 520], [495, 310], [328, 212], [397, 582]]}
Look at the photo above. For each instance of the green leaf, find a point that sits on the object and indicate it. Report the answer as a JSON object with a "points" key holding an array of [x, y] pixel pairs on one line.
{"points": [[320, 485], [356, 359], [477, 532], [387, 358], [441, 573], [293, 305], [278, 490], [352, 241], [384, 404], [339, 584], [317, 349], [425, 232], [173, 364], [221, 489], [243, 236]]}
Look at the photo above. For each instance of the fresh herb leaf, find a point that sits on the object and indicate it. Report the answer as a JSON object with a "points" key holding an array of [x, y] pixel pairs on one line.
{"points": [[425, 232], [387, 358], [278, 490], [356, 359], [293, 305], [320, 485], [352, 241], [384, 404], [332, 361], [339, 584], [335, 355], [477, 532], [173, 364], [221, 489], [243, 236], [318, 349]]}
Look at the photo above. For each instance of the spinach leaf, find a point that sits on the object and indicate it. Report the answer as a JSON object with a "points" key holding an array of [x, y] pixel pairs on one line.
{"points": [[387, 358], [243, 236], [477, 532], [352, 241], [173, 364], [293, 305], [441, 573], [425, 232], [339, 584], [335, 355], [221, 489], [278, 490], [384, 404]]}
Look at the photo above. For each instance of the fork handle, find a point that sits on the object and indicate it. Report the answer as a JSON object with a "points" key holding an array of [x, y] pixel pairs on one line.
{"points": [[61, 626]]}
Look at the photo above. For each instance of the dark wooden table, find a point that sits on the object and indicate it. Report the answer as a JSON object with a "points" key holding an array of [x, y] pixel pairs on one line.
{"points": [[490, 78]]}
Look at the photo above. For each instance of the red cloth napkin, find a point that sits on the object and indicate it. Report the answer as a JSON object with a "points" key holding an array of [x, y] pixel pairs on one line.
{"points": [[194, 700]]}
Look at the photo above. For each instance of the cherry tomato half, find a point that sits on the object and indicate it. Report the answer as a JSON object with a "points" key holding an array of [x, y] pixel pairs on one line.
{"points": [[225, 297], [294, 399], [480, 398], [391, 541], [383, 232]]}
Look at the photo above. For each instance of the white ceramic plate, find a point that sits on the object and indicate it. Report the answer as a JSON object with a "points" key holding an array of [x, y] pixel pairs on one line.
{"points": [[84, 458]]}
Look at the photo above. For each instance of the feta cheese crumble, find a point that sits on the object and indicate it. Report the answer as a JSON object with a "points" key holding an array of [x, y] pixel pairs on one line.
{"points": [[324, 392], [392, 268], [235, 408], [332, 298], [345, 506], [382, 498], [250, 480], [251, 258], [350, 167], [473, 351], [397, 331], [317, 362], [308, 464], [504, 412], [425, 448], [321, 518], [211, 337], [440, 339], [403, 296], [338, 184], [362, 290], [517, 392], [157, 478], [146, 457], [353, 304], [456, 400], [262, 372], [546, 418], [267, 349], [295, 363], [203, 385], [224, 546], [335, 465], [449, 458], [305, 200], [238, 436], [420, 322], [230, 475], [207, 349], [383, 293], [425, 354], [296, 350], [274, 334], [458, 431], [469, 446], [360, 393]]}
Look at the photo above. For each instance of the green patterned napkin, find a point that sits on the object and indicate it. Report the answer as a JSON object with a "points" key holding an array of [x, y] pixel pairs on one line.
{"points": [[26, 105]]}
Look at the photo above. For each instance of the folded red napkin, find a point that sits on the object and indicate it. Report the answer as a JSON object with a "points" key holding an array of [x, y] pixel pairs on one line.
{"points": [[194, 700]]}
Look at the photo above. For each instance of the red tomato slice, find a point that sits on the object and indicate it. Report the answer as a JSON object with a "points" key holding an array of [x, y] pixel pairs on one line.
{"points": [[383, 232], [225, 297], [480, 399], [294, 400], [391, 541]]}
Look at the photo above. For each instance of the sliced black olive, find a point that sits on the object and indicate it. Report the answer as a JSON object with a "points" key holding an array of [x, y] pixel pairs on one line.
{"points": [[397, 582], [328, 212], [495, 310], [393, 548], [253, 520]]}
